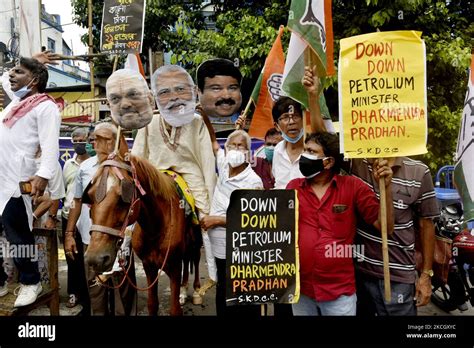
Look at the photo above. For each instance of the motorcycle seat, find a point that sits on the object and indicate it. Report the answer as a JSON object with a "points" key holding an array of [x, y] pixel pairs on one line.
{"points": [[444, 194]]}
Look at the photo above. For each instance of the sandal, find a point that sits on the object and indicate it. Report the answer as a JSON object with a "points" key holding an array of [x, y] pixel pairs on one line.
{"points": [[73, 301]]}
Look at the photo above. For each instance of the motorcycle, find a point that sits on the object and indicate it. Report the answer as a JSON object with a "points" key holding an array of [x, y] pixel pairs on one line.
{"points": [[457, 290]]}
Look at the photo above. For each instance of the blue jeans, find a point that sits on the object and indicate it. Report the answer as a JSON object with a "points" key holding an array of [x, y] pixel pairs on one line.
{"points": [[343, 305]]}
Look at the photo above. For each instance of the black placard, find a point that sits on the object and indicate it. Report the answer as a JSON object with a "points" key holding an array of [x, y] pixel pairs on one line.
{"points": [[122, 26], [262, 262]]}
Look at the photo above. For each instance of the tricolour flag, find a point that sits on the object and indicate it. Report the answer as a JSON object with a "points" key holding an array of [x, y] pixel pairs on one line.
{"points": [[267, 89], [464, 171], [134, 62], [311, 43]]}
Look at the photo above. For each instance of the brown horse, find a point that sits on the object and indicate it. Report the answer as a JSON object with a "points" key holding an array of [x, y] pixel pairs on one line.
{"points": [[128, 189]]}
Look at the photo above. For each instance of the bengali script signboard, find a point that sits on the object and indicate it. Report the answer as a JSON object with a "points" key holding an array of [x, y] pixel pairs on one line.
{"points": [[122, 26], [261, 247], [382, 95]]}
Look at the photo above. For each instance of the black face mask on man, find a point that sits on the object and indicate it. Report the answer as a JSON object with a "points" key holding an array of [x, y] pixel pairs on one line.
{"points": [[80, 148], [311, 165]]}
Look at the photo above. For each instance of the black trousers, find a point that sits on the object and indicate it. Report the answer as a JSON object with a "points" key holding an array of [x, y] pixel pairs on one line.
{"points": [[76, 271], [221, 308], [18, 233]]}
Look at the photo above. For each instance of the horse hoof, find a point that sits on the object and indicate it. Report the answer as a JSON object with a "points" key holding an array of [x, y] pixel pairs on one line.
{"points": [[197, 299], [183, 294]]}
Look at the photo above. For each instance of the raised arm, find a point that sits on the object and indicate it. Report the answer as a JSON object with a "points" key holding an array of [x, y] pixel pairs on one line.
{"points": [[311, 83]]}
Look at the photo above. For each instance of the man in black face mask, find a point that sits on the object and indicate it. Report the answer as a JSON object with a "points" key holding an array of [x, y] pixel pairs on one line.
{"points": [[76, 275], [329, 206]]}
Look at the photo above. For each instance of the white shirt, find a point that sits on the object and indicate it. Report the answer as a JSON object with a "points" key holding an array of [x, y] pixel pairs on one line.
{"points": [[69, 175], [55, 184], [282, 168], [19, 144], [225, 186], [84, 175]]}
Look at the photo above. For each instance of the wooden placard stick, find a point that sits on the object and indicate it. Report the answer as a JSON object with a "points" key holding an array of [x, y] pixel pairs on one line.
{"points": [[119, 129], [383, 222]]}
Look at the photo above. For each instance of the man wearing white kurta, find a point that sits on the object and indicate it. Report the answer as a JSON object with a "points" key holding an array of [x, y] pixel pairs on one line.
{"points": [[178, 139], [30, 122]]}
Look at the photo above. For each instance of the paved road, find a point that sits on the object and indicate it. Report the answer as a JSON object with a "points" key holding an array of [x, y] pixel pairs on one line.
{"points": [[206, 308]]}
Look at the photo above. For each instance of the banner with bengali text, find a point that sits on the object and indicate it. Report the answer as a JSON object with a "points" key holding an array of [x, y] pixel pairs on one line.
{"points": [[123, 22]]}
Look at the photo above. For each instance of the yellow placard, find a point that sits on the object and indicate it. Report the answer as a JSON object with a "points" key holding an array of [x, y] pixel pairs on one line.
{"points": [[382, 95]]}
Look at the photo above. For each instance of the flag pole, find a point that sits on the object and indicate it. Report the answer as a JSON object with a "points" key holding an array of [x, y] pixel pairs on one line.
{"points": [[244, 114], [119, 129], [91, 62], [383, 217], [317, 123]]}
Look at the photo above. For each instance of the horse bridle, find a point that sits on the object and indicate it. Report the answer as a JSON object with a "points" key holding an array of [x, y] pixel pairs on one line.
{"points": [[131, 195]]}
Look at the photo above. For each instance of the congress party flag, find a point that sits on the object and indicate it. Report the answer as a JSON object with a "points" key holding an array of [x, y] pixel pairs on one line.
{"points": [[464, 170], [268, 89], [311, 43]]}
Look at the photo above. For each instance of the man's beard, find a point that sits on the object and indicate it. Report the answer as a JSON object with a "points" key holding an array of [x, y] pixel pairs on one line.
{"points": [[181, 115]]}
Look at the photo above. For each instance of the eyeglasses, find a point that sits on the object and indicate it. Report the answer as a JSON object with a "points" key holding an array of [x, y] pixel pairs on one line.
{"points": [[234, 147], [165, 93], [286, 118]]}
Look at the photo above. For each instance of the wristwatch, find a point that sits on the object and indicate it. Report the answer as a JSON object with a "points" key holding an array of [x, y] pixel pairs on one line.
{"points": [[428, 272]]}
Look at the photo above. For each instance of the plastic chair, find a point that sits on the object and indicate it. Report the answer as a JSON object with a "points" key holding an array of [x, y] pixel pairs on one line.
{"points": [[447, 191], [446, 173]]}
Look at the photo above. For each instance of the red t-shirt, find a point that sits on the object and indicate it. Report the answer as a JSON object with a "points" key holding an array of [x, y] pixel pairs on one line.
{"points": [[326, 233]]}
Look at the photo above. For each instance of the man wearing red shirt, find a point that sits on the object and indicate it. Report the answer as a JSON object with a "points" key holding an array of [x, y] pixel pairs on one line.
{"points": [[329, 206]]}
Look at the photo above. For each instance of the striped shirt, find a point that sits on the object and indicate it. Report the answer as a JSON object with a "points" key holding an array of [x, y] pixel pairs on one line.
{"points": [[413, 197]]}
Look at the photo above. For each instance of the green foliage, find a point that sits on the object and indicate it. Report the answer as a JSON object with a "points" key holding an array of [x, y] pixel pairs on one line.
{"points": [[246, 29]]}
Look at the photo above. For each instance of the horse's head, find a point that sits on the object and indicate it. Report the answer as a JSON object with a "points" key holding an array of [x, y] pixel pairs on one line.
{"points": [[115, 202]]}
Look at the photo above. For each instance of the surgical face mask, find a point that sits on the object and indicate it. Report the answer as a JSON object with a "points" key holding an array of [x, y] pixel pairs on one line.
{"points": [[23, 91], [182, 115], [291, 140], [235, 158], [90, 149], [269, 153], [311, 165], [80, 148]]}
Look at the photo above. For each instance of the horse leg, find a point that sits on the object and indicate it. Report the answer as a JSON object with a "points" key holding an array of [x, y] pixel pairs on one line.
{"points": [[183, 293], [196, 257], [175, 281], [151, 272]]}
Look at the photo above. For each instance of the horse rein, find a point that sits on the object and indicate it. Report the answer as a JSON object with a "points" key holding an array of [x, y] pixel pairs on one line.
{"points": [[115, 165], [110, 162]]}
